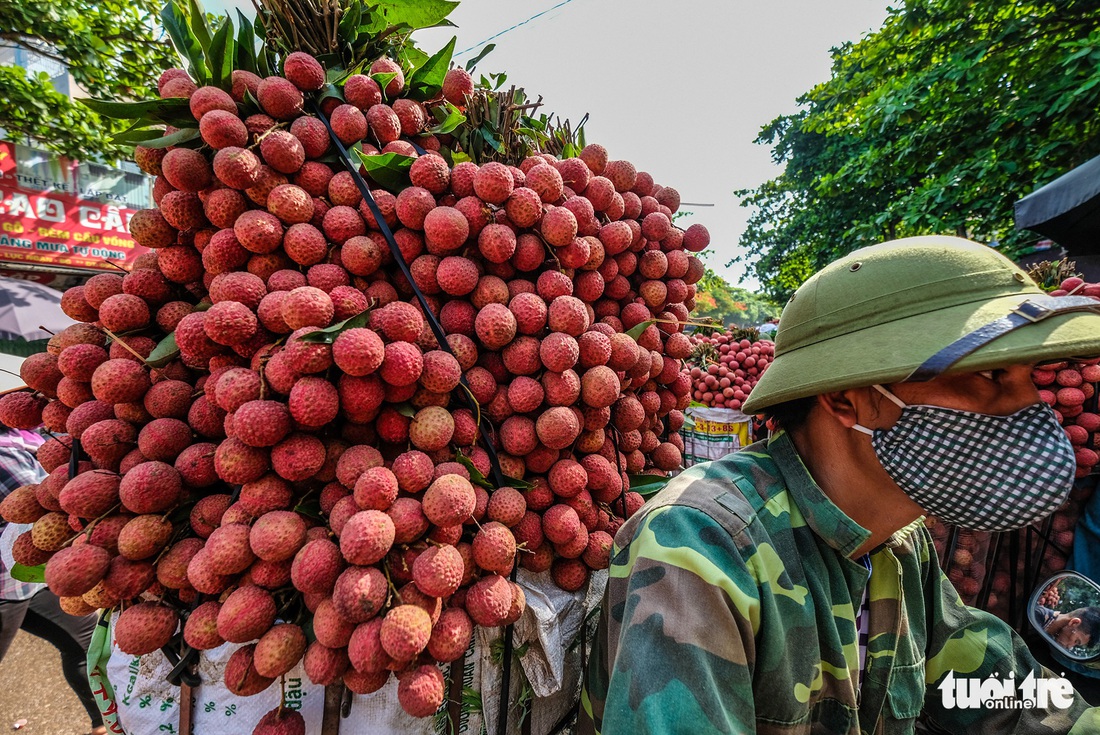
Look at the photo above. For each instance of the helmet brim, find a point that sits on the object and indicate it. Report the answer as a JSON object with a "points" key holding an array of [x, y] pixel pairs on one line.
{"points": [[890, 352]]}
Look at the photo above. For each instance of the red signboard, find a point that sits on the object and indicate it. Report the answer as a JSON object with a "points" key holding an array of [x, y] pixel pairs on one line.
{"points": [[59, 228]]}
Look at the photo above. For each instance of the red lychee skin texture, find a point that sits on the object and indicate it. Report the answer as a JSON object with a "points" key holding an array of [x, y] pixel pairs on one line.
{"points": [[457, 85], [367, 537], [298, 457], [187, 169], [493, 183], [431, 173], [450, 635], [449, 500], [237, 168], [314, 402], [402, 365], [262, 423], [304, 71], [221, 129], [291, 204], [316, 566], [384, 124], [446, 230], [246, 614], [123, 313], [144, 628], [76, 569], [283, 152], [349, 124], [207, 99], [307, 306], [438, 571], [569, 574], [280, 98], [362, 91], [277, 535], [494, 548], [420, 692], [151, 487], [405, 632], [279, 650], [359, 593], [489, 600], [201, 629], [258, 231]]}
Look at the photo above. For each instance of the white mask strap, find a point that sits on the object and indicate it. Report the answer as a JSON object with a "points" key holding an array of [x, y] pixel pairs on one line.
{"points": [[894, 399], [863, 429]]}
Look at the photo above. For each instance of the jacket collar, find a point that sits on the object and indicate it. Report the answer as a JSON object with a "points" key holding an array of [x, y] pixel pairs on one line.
{"points": [[822, 515]]}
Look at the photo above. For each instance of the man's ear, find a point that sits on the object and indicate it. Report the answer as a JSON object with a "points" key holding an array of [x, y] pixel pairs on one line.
{"points": [[841, 406], [1075, 622]]}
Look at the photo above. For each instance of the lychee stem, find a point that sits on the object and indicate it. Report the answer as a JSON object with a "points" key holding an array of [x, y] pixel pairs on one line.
{"points": [[131, 350], [389, 581], [91, 525]]}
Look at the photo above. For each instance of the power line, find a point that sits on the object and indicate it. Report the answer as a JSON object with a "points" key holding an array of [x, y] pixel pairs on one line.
{"points": [[517, 25]]}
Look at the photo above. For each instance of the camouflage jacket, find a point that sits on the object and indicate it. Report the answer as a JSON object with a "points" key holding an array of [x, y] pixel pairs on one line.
{"points": [[731, 608]]}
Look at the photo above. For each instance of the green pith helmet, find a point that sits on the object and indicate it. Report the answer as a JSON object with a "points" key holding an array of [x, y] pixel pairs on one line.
{"points": [[914, 308]]}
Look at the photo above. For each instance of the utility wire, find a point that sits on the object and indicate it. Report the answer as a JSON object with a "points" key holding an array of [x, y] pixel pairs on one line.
{"points": [[517, 25]]}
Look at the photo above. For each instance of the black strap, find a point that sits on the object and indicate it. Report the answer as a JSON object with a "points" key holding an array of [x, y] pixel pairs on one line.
{"points": [[395, 250], [441, 338], [1032, 311]]}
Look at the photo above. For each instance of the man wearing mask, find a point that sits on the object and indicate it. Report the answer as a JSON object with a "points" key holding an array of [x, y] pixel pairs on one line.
{"points": [[792, 588]]}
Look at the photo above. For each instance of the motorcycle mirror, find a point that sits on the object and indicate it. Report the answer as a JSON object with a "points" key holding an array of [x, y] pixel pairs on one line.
{"points": [[1066, 611]]}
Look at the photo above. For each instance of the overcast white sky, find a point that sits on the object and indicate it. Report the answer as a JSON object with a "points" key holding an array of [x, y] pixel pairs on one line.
{"points": [[680, 89]]}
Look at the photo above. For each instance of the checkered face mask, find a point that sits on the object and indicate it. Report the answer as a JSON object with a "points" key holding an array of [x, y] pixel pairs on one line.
{"points": [[987, 473]]}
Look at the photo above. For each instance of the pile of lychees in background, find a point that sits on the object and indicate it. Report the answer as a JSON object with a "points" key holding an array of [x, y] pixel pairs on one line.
{"points": [[271, 437], [724, 367]]}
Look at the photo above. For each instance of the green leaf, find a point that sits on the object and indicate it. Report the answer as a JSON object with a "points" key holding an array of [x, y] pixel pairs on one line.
{"points": [[329, 90], [176, 138], [166, 351], [29, 574], [246, 45], [310, 506], [221, 56], [264, 62], [383, 79], [183, 38], [391, 170], [175, 107], [411, 57], [328, 335], [348, 30], [449, 118], [427, 80], [198, 23], [485, 50], [636, 331], [475, 474], [646, 485], [416, 15], [405, 409], [138, 133]]}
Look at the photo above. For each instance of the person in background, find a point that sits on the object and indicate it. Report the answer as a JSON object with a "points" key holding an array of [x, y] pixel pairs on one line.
{"points": [[768, 328], [1077, 628], [793, 587], [32, 607]]}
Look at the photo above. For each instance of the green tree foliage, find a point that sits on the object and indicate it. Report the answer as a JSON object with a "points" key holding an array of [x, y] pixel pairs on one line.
{"points": [[113, 49], [717, 299], [936, 123]]}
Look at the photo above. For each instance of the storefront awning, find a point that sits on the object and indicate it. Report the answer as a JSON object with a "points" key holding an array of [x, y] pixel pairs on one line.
{"points": [[1067, 210]]}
